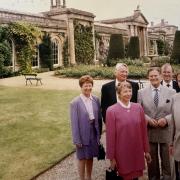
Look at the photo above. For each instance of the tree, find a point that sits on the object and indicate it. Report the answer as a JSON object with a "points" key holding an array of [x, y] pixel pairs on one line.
{"points": [[45, 52], [133, 48], [116, 49], [176, 48], [160, 47]]}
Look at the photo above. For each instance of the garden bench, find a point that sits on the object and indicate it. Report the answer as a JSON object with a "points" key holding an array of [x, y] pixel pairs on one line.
{"points": [[141, 84], [31, 77]]}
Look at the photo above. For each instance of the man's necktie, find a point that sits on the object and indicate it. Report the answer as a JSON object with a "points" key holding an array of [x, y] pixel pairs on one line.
{"points": [[156, 97], [168, 85]]}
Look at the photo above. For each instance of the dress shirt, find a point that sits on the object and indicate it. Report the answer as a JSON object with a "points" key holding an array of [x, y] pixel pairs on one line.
{"points": [[88, 104], [170, 84], [153, 90]]}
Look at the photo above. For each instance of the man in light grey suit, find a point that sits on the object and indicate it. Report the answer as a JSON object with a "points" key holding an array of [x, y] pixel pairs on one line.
{"points": [[175, 143], [156, 101]]}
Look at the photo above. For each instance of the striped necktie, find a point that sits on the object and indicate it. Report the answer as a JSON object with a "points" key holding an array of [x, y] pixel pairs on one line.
{"points": [[156, 97]]}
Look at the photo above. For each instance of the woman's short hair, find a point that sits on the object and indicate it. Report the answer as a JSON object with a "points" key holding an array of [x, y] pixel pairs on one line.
{"points": [[85, 79], [153, 69], [121, 86]]}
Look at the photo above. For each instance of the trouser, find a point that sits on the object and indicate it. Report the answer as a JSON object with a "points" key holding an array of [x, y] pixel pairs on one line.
{"points": [[177, 169], [159, 150]]}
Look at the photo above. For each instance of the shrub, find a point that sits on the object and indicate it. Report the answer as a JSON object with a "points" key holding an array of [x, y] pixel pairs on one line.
{"points": [[176, 48], [100, 72], [160, 47], [133, 48], [116, 49], [159, 61]]}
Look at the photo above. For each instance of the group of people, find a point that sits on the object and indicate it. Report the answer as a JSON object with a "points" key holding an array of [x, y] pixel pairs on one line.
{"points": [[141, 124]]}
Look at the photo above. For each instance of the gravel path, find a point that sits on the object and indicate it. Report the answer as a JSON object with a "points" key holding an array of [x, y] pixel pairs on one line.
{"points": [[66, 169]]}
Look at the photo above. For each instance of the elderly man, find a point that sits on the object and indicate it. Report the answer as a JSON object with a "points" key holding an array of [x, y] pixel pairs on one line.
{"points": [[108, 91], [167, 75], [156, 101], [175, 143]]}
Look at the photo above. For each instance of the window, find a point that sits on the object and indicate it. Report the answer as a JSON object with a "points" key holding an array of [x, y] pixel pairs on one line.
{"points": [[55, 51], [35, 60]]}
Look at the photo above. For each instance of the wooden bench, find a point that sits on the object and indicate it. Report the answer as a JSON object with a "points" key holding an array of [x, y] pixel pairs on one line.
{"points": [[31, 77]]}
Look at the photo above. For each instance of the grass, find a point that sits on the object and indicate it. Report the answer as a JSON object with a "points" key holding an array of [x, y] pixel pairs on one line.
{"points": [[34, 130]]}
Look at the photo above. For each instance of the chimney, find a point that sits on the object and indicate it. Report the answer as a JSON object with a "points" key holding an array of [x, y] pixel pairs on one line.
{"points": [[152, 23], [137, 11], [162, 22]]}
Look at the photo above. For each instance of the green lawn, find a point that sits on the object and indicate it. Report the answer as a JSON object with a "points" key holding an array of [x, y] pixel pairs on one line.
{"points": [[34, 130]]}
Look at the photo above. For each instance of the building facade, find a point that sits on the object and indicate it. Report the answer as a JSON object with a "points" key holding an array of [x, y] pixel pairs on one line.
{"points": [[59, 23]]}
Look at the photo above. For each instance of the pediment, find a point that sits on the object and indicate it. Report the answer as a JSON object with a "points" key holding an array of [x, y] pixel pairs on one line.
{"points": [[141, 19]]}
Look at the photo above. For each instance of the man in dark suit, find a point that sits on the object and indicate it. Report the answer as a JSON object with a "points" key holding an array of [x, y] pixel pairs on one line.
{"points": [[167, 75], [108, 91]]}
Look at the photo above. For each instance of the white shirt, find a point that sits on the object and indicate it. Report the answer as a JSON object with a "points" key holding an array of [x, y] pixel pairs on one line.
{"points": [[88, 104], [123, 105], [170, 84], [153, 90]]}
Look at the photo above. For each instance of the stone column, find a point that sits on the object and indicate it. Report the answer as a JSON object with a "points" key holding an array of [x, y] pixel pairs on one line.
{"points": [[135, 31], [71, 41], [145, 42], [94, 42], [132, 30], [64, 3], [155, 45]]}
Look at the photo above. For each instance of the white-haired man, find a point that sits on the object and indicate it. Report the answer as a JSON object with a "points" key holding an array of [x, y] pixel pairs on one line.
{"points": [[108, 91]]}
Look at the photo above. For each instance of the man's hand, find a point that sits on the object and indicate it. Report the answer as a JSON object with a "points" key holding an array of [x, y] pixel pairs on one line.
{"points": [[148, 158], [153, 123], [171, 150], [162, 122]]}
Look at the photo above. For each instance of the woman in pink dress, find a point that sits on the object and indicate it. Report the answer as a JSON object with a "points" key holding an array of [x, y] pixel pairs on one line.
{"points": [[126, 135]]}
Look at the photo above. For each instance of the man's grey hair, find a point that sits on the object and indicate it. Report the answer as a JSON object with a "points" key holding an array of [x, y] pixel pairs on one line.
{"points": [[120, 65]]}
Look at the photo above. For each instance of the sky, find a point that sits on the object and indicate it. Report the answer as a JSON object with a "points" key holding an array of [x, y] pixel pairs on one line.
{"points": [[153, 10]]}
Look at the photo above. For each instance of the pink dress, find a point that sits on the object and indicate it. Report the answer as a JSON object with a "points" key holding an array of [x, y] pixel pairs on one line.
{"points": [[126, 138]]}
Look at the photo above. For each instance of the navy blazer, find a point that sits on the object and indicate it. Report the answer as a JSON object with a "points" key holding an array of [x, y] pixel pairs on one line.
{"points": [[108, 95]]}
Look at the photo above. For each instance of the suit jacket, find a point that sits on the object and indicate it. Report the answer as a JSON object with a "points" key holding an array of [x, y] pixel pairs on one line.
{"points": [[176, 125], [158, 135], [80, 122], [175, 86], [108, 95]]}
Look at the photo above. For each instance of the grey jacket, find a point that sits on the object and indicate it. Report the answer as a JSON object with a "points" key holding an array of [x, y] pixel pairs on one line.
{"points": [[176, 125], [159, 135]]}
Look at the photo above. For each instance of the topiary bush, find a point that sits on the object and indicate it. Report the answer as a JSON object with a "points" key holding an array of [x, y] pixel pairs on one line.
{"points": [[133, 48], [45, 52], [116, 49], [176, 49]]}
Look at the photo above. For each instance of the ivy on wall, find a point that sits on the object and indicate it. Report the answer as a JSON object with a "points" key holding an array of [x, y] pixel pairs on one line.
{"points": [[25, 37], [65, 53], [84, 48]]}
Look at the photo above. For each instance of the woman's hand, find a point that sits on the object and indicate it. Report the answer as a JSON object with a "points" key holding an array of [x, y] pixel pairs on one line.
{"points": [[79, 145], [148, 158], [113, 164]]}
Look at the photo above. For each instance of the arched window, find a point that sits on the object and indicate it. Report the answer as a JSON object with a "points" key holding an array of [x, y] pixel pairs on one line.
{"points": [[35, 60], [55, 51]]}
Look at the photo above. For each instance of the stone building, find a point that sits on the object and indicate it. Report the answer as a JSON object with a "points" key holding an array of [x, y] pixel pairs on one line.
{"points": [[59, 23]]}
